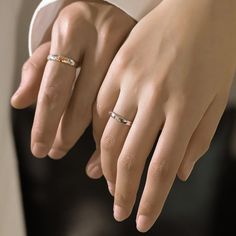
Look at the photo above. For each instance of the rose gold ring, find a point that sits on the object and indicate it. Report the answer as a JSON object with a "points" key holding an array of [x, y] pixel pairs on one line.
{"points": [[120, 118], [64, 60]]}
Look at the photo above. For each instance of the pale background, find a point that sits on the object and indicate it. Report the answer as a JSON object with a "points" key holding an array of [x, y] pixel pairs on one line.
{"points": [[14, 20]]}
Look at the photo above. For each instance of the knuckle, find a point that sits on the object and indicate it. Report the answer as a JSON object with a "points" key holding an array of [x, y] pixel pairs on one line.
{"points": [[63, 30], [101, 107], [149, 208], [123, 199], [108, 33], [38, 135], [70, 22], [50, 96], [159, 171], [81, 7], [183, 108], [159, 86], [105, 34], [122, 59], [107, 143], [29, 65], [73, 12], [156, 92], [127, 163]]}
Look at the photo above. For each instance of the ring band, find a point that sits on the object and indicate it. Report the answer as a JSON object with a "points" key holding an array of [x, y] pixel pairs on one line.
{"points": [[64, 60], [120, 118]]}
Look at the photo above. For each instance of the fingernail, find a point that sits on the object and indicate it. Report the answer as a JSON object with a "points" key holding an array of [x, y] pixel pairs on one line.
{"points": [[143, 223], [56, 153], [94, 172], [119, 213], [40, 150], [111, 187]]}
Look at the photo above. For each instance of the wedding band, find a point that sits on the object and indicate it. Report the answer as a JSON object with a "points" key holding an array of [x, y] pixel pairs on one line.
{"points": [[120, 118], [64, 60]]}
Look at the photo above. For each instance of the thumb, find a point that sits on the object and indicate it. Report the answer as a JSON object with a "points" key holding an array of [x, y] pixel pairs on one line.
{"points": [[32, 73]]}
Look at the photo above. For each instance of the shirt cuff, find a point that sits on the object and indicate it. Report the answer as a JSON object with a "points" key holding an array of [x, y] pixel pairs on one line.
{"points": [[47, 11], [42, 19]]}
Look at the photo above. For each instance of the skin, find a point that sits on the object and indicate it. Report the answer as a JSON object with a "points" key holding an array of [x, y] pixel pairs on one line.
{"points": [[177, 84], [90, 32], [180, 93]]}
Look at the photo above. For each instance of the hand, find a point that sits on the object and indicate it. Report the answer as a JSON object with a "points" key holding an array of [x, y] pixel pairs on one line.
{"points": [[172, 76], [91, 33]]}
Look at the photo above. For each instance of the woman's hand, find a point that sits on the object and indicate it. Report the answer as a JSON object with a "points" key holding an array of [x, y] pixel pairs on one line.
{"points": [[91, 33], [172, 76]]}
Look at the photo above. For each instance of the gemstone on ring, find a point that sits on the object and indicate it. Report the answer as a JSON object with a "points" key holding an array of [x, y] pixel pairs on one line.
{"points": [[120, 118], [64, 60]]}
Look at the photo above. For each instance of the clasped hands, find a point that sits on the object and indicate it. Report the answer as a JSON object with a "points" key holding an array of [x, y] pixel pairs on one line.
{"points": [[170, 74]]}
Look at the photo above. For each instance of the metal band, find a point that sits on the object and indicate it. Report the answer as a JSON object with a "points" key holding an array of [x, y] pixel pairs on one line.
{"points": [[120, 118], [64, 60]]}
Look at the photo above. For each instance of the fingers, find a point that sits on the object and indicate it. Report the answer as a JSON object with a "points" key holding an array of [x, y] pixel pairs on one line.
{"points": [[202, 136], [78, 114], [105, 102], [101, 46], [54, 94], [55, 90], [132, 158], [93, 168], [162, 170], [32, 73], [114, 137]]}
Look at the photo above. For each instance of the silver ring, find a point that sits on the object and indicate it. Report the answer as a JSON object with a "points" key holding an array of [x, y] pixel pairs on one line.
{"points": [[120, 118], [64, 60]]}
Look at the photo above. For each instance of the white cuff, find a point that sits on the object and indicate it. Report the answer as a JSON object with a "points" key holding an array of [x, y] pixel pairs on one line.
{"points": [[47, 11], [42, 19]]}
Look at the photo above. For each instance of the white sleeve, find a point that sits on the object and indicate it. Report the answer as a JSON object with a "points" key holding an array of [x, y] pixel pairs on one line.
{"points": [[47, 11], [135, 8], [42, 19]]}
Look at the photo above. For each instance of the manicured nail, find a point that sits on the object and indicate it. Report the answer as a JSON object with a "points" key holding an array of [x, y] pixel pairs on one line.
{"points": [[94, 171], [40, 150], [143, 223], [119, 213], [56, 153], [111, 188]]}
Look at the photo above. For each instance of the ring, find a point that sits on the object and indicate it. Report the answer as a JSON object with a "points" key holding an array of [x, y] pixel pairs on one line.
{"points": [[120, 118], [64, 60]]}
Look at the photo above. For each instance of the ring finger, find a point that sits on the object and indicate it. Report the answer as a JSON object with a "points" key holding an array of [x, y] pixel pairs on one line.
{"points": [[114, 137], [54, 93], [133, 156]]}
